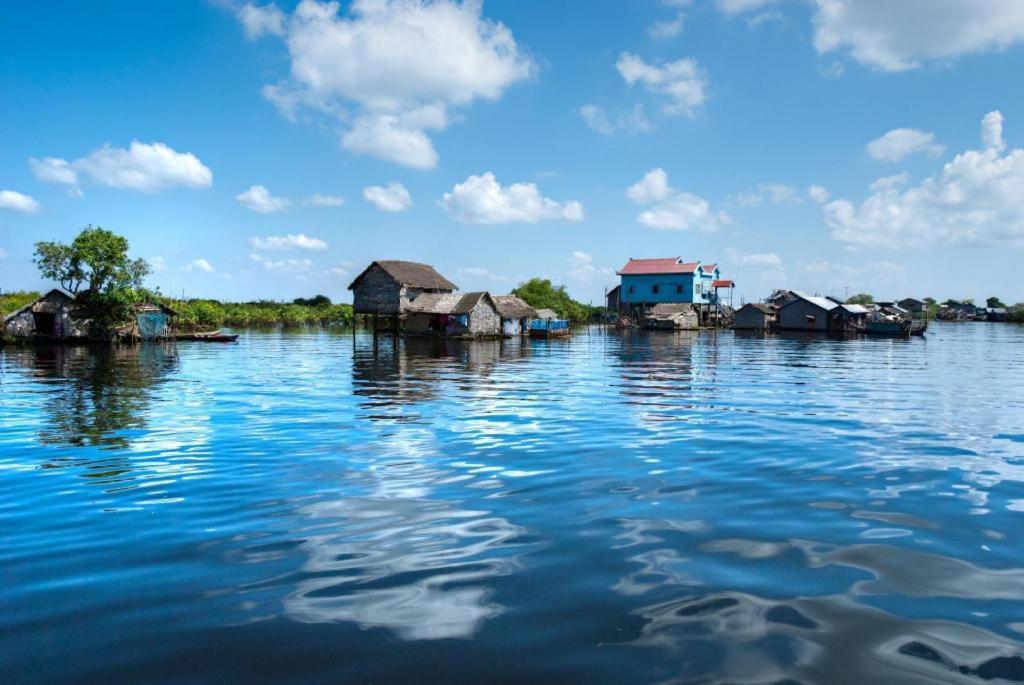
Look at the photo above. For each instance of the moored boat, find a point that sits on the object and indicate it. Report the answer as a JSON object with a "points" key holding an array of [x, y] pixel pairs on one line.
{"points": [[209, 336], [892, 327]]}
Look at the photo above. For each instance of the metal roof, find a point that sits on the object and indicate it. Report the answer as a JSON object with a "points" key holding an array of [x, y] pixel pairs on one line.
{"points": [[855, 308], [663, 265], [822, 302]]}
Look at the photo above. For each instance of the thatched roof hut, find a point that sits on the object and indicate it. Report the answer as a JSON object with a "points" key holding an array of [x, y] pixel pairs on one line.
{"points": [[54, 315], [547, 314], [387, 286], [512, 307], [454, 314]]}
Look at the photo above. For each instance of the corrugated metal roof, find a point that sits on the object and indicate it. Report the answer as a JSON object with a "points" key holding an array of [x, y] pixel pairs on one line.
{"points": [[722, 283], [854, 308], [666, 265], [823, 302]]}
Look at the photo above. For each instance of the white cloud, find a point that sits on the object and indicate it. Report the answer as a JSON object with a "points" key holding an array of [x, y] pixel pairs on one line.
{"points": [[391, 61], [482, 200], [282, 265], [992, 130], [318, 200], [147, 167], [479, 273], [53, 170], [258, 199], [291, 241], [976, 199], [777, 194], [157, 263], [681, 83], [667, 28], [261, 21], [763, 259], [895, 36], [903, 142], [824, 276], [338, 271], [390, 198], [889, 181], [671, 209], [199, 265], [596, 118], [18, 202], [739, 6], [818, 194], [583, 270]]}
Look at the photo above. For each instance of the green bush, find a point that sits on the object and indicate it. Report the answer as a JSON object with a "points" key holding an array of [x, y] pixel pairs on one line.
{"points": [[15, 300], [539, 293], [207, 314]]}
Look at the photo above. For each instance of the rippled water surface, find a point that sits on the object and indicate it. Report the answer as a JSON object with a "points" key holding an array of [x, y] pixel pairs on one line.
{"points": [[620, 507]]}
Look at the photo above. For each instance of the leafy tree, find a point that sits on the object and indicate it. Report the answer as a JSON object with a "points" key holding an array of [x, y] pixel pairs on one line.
{"points": [[539, 293], [96, 268], [994, 303], [860, 298], [318, 301], [1016, 313]]}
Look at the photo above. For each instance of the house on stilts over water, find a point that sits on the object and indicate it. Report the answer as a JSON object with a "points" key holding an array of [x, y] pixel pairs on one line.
{"points": [[387, 287]]}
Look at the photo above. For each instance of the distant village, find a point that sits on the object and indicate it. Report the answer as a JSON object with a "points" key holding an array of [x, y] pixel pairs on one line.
{"points": [[410, 298]]}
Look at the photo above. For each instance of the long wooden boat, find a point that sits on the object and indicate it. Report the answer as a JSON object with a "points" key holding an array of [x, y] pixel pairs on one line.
{"points": [[891, 328], [210, 336], [549, 328]]}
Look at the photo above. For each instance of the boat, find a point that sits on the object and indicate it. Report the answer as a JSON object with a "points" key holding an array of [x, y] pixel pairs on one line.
{"points": [[918, 327], [891, 327], [549, 328], [210, 336]]}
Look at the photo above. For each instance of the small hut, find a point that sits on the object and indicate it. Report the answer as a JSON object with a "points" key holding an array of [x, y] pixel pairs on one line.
{"points": [[547, 325], [755, 316], [387, 286], [672, 317], [150, 321], [53, 316], [515, 313], [468, 315]]}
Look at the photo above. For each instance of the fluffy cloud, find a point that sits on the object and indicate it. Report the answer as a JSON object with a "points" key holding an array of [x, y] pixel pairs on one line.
{"points": [[199, 265], [895, 36], [261, 21], [976, 199], [390, 198], [992, 131], [288, 242], [318, 200], [903, 142], [482, 200], [147, 167], [400, 64], [259, 199], [596, 118], [681, 83], [18, 202], [671, 209], [583, 270], [740, 6], [889, 181], [818, 194], [763, 259], [282, 265]]}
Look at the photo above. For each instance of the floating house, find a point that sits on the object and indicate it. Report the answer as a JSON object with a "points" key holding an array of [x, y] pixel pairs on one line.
{"points": [[388, 286], [811, 313], [645, 283], [515, 314], [672, 317], [468, 315], [755, 316], [54, 316], [916, 307], [547, 325], [151, 321]]}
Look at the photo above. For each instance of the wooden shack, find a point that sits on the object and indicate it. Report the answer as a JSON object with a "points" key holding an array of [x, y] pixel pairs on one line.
{"points": [[466, 315], [150, 321], [672, 317], [387, 287], [53, 316], [813, 313], [515, 314], [755, 316]]}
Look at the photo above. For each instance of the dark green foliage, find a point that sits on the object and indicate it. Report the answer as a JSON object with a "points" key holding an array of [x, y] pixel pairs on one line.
{"points": [[318, 301], [1015, 313], [860, 298], [211, 314], [541, 294], [994, 303]]}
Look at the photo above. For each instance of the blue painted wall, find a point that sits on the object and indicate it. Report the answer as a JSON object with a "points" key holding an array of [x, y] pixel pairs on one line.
{"points": [[641, 288]]}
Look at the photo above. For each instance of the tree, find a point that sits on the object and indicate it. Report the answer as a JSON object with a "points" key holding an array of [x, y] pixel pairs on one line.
{"points": [[860, 298], [318, 301], [539, 293], [96, 269], [994, 303]]}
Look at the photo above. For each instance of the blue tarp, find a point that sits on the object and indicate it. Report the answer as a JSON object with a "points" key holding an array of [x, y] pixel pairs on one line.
{"points": [[548, 324], [152, 325]]}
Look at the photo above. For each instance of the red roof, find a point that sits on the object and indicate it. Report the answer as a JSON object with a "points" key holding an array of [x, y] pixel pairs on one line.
{"points": [[667, 265], [722, 283], [708, 268]]}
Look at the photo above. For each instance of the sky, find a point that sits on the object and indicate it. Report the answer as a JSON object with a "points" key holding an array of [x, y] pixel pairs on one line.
{"points": [[254, 150]]}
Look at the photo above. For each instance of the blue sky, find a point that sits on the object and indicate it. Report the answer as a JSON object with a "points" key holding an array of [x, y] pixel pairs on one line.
{"points": [[272, 150]]}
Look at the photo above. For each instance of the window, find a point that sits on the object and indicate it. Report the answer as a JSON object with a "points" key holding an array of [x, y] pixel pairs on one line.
{"points": [[698, 288], [655, 289], [679, 289], [631, 290]]}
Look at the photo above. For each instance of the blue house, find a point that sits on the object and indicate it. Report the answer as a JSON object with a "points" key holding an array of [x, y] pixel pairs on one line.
{"points": [[647, 282]]}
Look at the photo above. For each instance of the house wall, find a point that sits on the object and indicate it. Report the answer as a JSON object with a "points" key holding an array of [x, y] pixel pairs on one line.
{"points": [[68, 326], [378, 293], [643, 286], [484, 319], [515, 326], [750, 318], [792, 317]]}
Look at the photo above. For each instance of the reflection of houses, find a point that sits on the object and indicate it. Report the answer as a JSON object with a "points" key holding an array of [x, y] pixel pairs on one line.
{"points": [[515, 314], [387, 287], [812, 313], [673, 317], [53, 316], [755, 316], [453, 314]]}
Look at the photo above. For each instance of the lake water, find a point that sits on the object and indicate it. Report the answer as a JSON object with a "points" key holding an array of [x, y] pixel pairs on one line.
{"points": [[618, 507]]}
